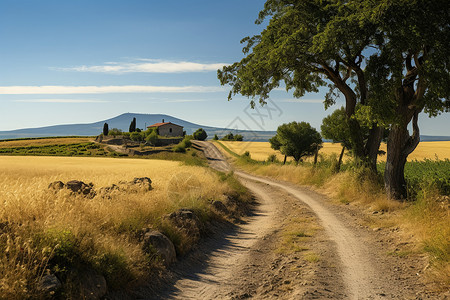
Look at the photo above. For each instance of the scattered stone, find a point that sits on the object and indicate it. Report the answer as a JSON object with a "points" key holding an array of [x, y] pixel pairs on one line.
{"points": [[155, 240], [49, 283], [144, 182]]}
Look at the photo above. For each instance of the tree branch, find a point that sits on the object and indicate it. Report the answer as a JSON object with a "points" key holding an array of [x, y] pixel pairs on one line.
{"points": [[414, 140]]}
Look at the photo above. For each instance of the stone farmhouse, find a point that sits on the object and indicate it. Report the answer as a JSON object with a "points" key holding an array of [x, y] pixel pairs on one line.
{"points": [[168, 129]]}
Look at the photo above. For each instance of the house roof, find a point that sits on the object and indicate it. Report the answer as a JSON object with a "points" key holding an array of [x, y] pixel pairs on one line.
{"points": [[161, 124]]}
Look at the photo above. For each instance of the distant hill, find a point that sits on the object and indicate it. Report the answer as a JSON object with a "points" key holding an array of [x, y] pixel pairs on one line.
{"points": [[123, 122], [142, 120]]}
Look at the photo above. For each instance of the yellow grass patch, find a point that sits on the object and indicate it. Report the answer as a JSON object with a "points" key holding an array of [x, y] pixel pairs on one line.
{"points": [[44, 142], [261, 150], [102, 226]]}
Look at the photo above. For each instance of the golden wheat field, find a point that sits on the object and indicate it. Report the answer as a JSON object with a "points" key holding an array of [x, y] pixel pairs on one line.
{"points": [[102, 226], [261, 150], [44, 142]]}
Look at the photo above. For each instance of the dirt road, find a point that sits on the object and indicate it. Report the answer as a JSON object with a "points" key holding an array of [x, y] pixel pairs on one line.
{"points": [[296, 246]]}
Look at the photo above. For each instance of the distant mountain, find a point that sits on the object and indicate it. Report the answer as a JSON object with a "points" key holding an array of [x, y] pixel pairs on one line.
{"points": [[142, 120], [123, 122]]}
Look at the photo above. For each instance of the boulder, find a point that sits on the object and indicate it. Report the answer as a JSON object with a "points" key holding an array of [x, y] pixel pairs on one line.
{"points": [[141, 183], [79, 187], [155, 240], [49, 284]]}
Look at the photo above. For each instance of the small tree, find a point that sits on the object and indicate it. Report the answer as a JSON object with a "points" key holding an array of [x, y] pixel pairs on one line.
{"points": [[238, 137], [335, 127], [215, 138], [105, 129], [297, 140], [133, 125], [152, 138], [228, 137], [200, 134]]}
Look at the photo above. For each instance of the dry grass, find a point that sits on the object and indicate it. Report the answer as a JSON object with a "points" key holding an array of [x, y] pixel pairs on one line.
{"points": [[261, 150], [44, 142], [100, 232]]}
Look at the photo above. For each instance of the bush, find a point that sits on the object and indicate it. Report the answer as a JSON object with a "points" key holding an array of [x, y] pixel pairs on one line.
{"points": [[200, 134], [215, 137], [137, 136], [272, 158], [185, 143], [152, 138], [115, 132]]}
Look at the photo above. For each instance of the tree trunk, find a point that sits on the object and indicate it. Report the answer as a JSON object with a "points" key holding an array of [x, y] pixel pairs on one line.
{"points": [[373, 146], [338, 168], [316, 154], [400, 145], [284, 161]]}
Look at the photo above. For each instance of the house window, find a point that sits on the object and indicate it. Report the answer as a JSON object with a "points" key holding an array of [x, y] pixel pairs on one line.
{"points": [[170, 130]]}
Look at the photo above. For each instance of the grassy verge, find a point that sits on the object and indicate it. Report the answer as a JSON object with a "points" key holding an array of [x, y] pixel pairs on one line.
{"points": [[61, 233], [425, 216]]}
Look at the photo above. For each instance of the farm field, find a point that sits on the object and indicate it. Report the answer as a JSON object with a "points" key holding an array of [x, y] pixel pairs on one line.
{"points": [[61, 231], [44, 142], [261, 150]]}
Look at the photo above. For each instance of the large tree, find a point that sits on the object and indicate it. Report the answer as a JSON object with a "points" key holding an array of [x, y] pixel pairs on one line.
{"points": [[409, 73], [297, 140], [310, 44], [388, 58]]}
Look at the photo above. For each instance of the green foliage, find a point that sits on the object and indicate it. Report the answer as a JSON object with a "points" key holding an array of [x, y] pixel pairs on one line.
{"points": [[232, 137], [296, 140], [426, 174], [215, 138], [272, 158], [80, 149], [137, 136], [200, 134], [336, 128], [152, 138], [115, 132], [185, 143]]}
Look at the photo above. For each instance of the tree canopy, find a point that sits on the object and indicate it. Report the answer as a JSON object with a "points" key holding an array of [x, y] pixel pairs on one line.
{"points": [[388, 59], [296, 139], [200, 134]]}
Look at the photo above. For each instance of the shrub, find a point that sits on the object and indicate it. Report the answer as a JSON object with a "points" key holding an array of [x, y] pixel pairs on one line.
{"points": [[137, 136], [115, 132], [200, 134]]}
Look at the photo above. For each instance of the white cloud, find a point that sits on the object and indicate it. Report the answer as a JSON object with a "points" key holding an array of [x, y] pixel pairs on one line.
{"points": [[59, 89], [61, 101], [148, 66]]}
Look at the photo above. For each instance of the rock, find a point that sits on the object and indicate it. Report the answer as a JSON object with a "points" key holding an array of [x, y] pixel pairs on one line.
{"points": [[49, 283], [161, 244], [186, 221], [56, 186], [93, 286], [80, 187], [142, 183], [220, 208]]}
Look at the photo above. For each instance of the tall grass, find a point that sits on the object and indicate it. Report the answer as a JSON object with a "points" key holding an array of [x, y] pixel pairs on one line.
{"points": [[42, 231]]}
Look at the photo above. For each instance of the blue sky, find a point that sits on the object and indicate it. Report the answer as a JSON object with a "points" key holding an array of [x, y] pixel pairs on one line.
{"points": [[64, 62]]}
